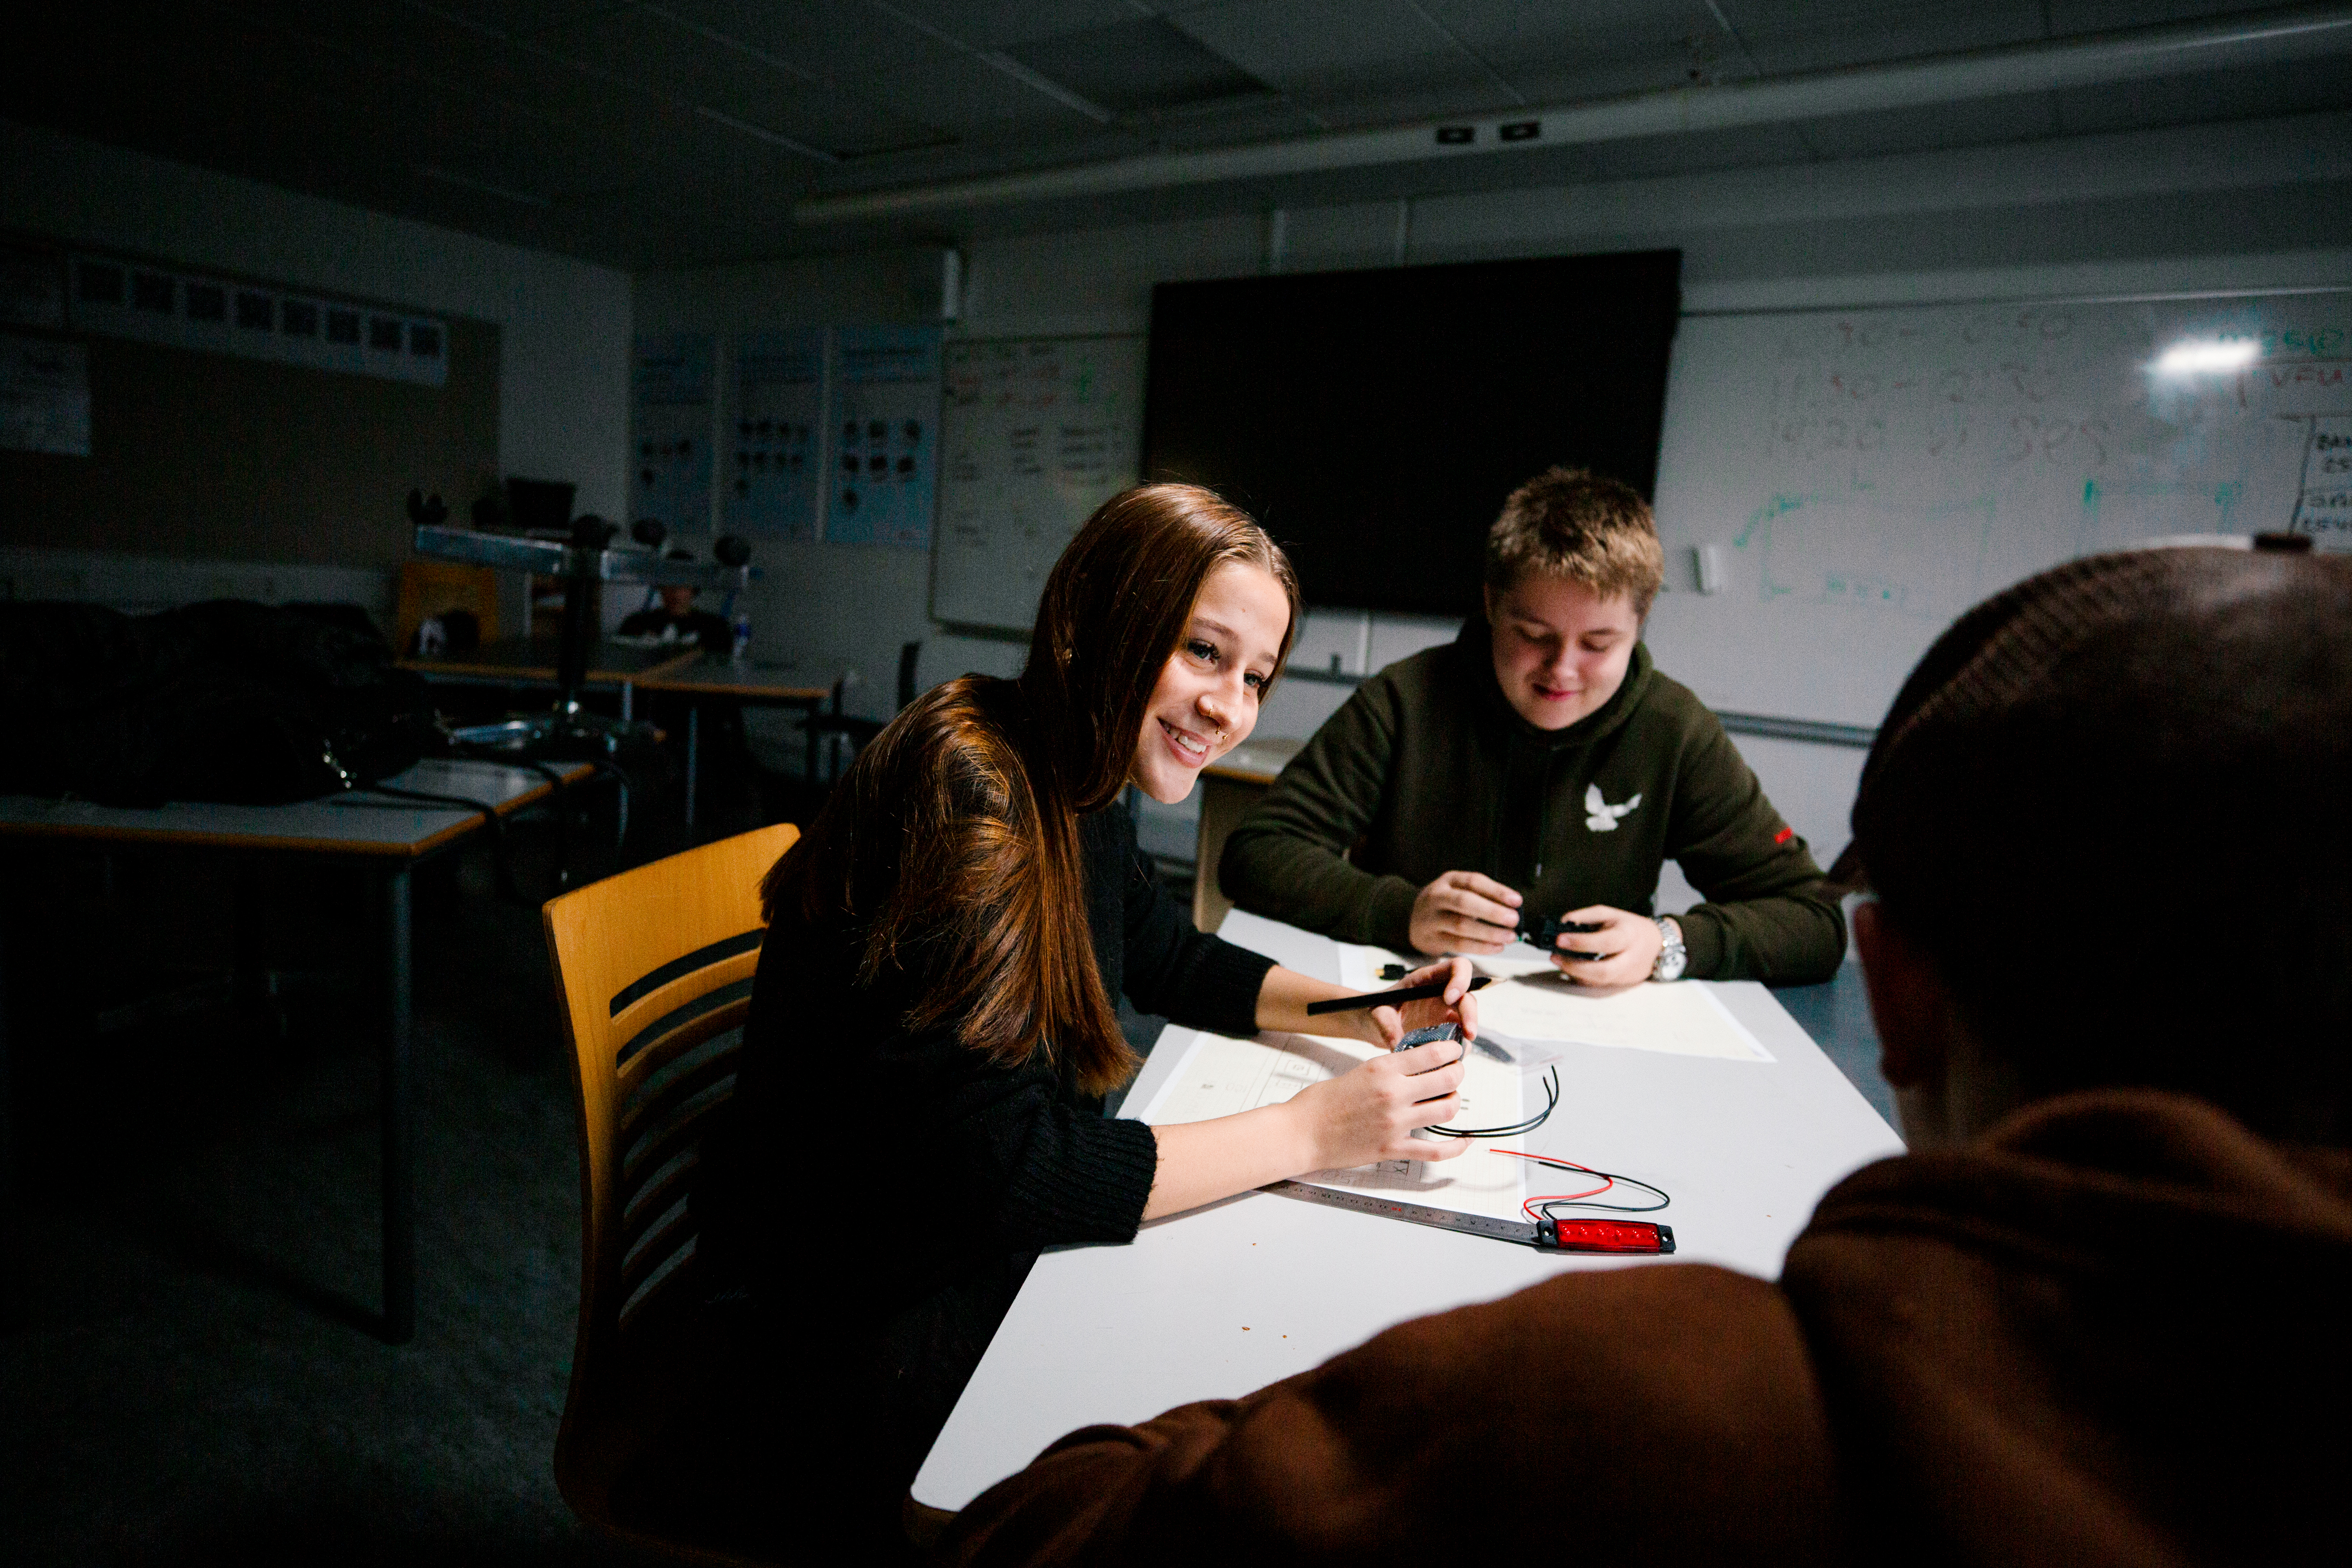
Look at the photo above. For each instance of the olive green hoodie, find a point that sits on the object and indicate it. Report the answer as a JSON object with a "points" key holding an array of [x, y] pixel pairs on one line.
{"points": [[1428, 769]]}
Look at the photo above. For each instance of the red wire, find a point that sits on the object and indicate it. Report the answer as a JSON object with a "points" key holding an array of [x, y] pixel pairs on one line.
{"points": [[1529, 1208]]}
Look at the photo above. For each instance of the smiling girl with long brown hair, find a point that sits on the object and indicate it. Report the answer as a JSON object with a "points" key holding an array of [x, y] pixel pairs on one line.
{"points": [[931, 1028]]}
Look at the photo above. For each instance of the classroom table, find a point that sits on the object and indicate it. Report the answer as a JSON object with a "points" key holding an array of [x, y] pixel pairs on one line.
{"points": [[385, 836], [1228, 1298], [750, 683], [522, 661]]}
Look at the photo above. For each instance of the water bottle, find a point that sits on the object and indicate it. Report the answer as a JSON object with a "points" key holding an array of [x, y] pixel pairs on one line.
{"points": [[742, 648]]}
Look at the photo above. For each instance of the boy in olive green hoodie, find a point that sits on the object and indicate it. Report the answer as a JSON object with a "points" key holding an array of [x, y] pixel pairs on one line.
{"points": [[1541, 765]]}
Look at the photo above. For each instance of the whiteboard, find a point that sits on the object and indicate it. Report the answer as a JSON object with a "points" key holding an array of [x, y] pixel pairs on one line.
{"points": [[1035, 433], [1864, 475]]}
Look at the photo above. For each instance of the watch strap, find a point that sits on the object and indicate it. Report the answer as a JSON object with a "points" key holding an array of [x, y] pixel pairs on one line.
{"points": [[1674, 956]]}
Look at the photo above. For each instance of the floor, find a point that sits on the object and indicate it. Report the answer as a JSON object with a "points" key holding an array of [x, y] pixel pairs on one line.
{"points": [[184, 1375], [187, 1374]]}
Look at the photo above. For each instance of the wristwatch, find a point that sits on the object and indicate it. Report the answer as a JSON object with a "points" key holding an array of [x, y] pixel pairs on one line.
{"points": [[1674, 956]]}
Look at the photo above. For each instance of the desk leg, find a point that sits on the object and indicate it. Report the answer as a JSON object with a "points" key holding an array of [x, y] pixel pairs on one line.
{"points": [[12, 1251], [399, 1134], [693, 755], [628, 696]]}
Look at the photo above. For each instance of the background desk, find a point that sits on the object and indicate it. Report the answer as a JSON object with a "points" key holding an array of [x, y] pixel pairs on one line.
{"points": [[518, 661], [388, 838], [1223, 1299], [750, 683]]}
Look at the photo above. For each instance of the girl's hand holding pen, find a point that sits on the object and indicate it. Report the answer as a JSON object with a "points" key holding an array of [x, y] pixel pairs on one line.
{"points": [[1370, 1112], [1456, 1005]]}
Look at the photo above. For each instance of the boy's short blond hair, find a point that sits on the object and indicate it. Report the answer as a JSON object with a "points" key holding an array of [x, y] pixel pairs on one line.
{"points": [[1574, 523]]}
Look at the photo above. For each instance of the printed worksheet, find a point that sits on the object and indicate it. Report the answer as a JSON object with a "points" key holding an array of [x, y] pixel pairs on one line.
{"points": [[1684, 1019], [1222, 1077], [1531, 1002]]}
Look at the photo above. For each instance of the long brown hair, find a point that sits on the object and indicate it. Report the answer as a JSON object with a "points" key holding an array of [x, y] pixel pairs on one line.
{"points": [[952, 843]]}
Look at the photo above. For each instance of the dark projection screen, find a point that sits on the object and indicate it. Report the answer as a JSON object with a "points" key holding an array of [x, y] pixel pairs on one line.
{"points": [[1374, 421]]}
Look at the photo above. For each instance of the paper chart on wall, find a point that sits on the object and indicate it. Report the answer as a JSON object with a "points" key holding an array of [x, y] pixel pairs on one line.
{"points": [[1685, 1020], [44, 396], [886, 427], [778, 417], [670, 393], [1220, 1076]]}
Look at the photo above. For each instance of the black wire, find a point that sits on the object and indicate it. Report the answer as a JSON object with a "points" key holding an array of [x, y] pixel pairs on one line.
{"points": [[501, 864], [1552, 1093], [1544, 1205]]}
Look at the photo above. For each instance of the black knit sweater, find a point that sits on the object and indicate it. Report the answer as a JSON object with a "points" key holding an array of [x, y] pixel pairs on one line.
{"points": [[883, 1192]]}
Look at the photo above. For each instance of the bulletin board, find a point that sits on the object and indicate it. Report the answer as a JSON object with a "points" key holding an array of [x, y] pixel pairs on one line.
{"points": [[228, 456]]}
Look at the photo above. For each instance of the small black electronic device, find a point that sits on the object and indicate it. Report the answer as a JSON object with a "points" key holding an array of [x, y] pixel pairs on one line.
{"points": [[1545, 932]]}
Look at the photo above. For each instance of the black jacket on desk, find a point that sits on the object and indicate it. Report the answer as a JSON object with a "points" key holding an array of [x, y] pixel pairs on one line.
{"points": [[882, 1192]]}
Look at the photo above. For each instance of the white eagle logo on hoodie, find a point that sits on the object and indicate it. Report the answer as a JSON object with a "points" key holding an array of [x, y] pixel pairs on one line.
{"points": [[1599, 815]]}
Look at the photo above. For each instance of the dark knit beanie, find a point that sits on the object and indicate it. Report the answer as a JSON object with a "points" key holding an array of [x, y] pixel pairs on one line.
{"points": [[2115, 805]]}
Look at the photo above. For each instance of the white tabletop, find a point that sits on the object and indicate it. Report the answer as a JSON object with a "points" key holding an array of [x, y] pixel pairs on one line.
{"points": [[358, 824], [1216, 1302]]}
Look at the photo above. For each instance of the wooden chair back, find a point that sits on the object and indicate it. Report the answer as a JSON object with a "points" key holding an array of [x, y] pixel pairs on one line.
{"points": [[429, 587], [653, 975]]}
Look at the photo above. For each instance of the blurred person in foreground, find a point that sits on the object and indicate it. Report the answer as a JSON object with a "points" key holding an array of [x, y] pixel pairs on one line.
{"points": [[2096, 1314]]}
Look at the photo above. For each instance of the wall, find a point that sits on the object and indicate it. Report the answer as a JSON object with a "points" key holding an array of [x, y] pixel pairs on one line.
{"points": [[2244, 205], [563, 325]]}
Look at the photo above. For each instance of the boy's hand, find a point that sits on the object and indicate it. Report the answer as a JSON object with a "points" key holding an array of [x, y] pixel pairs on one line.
{"points": [[1628, 944], [1463, 912]]}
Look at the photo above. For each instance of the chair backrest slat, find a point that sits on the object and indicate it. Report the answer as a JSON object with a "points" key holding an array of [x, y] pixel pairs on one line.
{"points": [[652, 971]]}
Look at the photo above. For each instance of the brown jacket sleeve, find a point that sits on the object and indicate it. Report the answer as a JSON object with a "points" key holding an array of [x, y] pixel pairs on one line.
{"points": [[1665, 1412]]}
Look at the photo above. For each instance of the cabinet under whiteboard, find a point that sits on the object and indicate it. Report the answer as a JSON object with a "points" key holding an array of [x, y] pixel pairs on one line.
{"points": [[1037, 433]]}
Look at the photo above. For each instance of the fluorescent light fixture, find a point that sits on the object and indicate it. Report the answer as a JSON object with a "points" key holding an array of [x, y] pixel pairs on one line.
{"points": [[2192, 355]]}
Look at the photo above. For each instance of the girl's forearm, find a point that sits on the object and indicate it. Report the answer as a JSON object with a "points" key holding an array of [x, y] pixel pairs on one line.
{"points": [[1201, 1161], [1282, 1005]]}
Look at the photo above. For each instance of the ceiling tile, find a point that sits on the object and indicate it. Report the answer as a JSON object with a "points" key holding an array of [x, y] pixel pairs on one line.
{"points": [[965, 96], [2070, 16], [1289, 41], [827, 39], [653, 53], [1423, 96], [1260, 121], [1580, 80], [1786, 37], [1136, 66], [994, 24], [1510, 33]]}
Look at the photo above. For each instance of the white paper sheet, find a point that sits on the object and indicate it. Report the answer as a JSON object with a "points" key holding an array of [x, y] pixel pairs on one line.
{"points": [[1685, 1019], [1531, 1003], [1223, 1076]]}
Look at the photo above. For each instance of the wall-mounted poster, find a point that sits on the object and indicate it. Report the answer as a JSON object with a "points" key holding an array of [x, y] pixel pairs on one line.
{"points": [[886, 436], [670, 388], [776, 431], [44, 396]]}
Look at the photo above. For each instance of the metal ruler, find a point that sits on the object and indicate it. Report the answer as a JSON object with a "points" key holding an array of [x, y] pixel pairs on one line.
{"points": [[1518, 1231]]}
